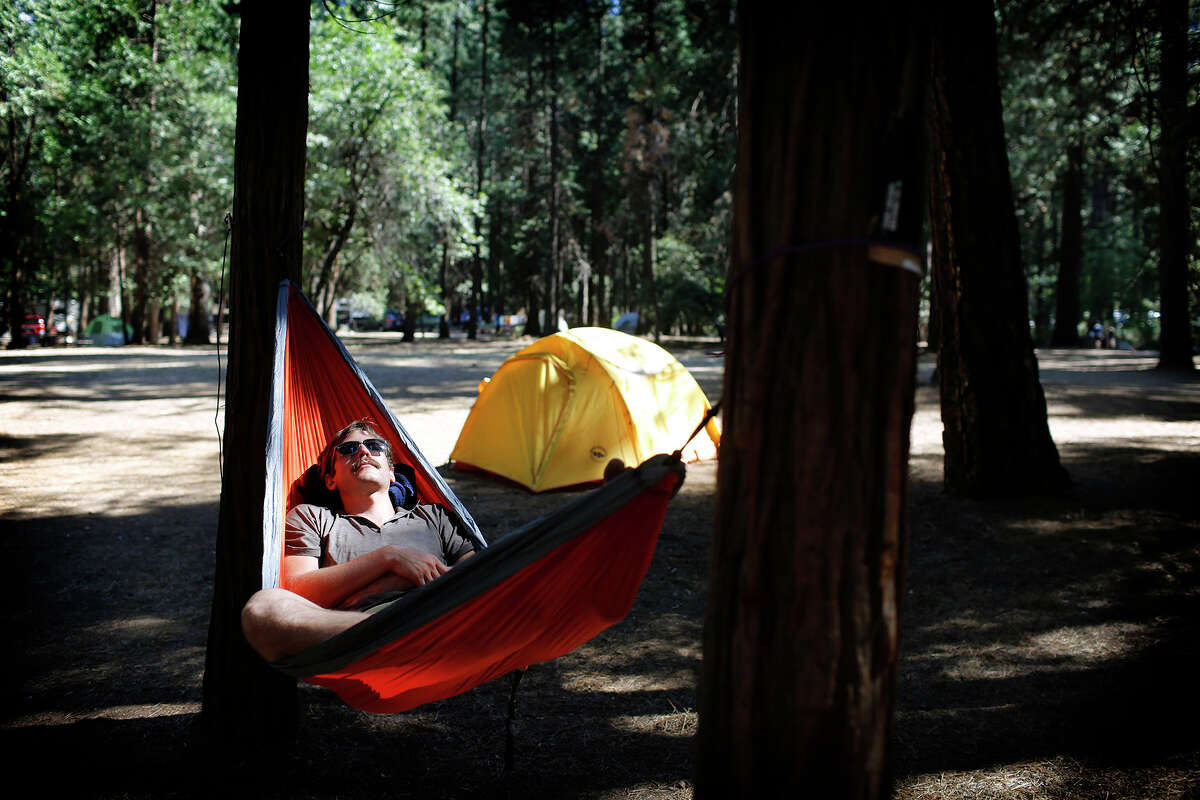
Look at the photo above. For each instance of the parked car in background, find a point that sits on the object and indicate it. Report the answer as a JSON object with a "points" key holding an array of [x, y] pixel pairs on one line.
{"points": [[33, 328]]}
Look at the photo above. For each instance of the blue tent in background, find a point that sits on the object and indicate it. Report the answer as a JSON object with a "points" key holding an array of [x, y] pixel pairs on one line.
{"points": [[627, 323]]}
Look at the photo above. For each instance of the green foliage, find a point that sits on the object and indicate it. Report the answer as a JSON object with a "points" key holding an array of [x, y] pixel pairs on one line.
{"points": [[591, 111], [126, 120], [689, 298], [1086, 73], [616, 121], [386, 184]]}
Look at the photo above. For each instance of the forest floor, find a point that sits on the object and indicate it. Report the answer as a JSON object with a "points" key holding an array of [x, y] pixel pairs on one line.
{"points": [[1050, 647]]}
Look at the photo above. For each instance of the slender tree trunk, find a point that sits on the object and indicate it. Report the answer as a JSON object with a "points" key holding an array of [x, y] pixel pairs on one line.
{"points": [[1068, 308], [146, 268], [141, 276], [797, 686], [412, 314], [86, 291], [597, 206], [496, 293], [452, 100], [480, 134], [554, 267], [444, 283], [528, 271], [649, 276], [1041, 306], [1175, 236], [200, 314], [325, 281], [996, 437], [122, 301], [154, 318], [249, 707]]}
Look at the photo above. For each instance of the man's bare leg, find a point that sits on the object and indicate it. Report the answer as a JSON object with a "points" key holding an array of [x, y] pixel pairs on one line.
{"points": [[279, 623]]}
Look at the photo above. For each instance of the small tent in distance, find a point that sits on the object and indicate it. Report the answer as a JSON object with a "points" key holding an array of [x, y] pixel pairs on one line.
{"points": [[105, 331], [555, 413]]}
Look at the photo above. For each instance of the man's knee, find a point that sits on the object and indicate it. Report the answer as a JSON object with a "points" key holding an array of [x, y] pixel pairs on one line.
{"points": [[263, 611]]}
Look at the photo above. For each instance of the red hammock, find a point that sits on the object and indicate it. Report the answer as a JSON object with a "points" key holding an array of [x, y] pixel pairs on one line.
{"points": [[532, 595]]}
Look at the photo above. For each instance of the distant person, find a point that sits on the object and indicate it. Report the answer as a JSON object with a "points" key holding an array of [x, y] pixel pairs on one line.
{"points": [[1097, 335]]}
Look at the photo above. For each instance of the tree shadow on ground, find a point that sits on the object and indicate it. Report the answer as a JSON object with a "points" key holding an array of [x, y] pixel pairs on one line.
{"points": [[1032, 629], [1055, 626], [109, 617], [20, 448]]}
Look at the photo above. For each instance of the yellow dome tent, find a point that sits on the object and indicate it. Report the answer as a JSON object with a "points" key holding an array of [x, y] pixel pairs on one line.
{"points": [[556, 412]]}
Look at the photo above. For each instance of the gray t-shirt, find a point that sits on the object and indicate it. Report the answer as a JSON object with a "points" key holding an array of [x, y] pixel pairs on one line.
{"points": [[335, 538]]}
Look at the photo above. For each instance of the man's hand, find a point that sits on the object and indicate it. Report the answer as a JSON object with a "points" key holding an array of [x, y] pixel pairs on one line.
{"points": [[389, 568], [410, 564], [614, 468]]}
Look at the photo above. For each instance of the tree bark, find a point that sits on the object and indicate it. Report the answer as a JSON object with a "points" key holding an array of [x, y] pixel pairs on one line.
{"points": [[1068, 308], [19, 216], [141, 276], [649, 321], [444, 283], [801, 636], [995, 435], [597, 206], [200, 314], [146, 267], [1175, 236], [477, 301], [247, 705], [554, 287]]}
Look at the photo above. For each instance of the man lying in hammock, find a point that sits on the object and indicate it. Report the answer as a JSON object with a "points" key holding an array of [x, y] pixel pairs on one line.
{"points": [[337, 566]]}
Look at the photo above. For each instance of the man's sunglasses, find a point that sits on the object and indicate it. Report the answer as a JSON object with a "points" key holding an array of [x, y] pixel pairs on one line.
{"points": [[375, 447]]}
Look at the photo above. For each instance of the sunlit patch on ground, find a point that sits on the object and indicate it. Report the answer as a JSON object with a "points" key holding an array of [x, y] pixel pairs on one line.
{"points": [[142, 711], [1049, 646]]}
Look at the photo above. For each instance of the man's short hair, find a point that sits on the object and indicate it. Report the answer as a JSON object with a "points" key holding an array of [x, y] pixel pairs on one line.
{"points": [[326, 459]]}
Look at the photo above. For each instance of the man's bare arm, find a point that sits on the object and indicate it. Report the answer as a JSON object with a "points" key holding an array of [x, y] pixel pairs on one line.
{"points": [[402, 567]]}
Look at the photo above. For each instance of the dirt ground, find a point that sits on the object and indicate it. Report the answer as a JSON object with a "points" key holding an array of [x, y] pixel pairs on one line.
{"points": [[1051, 647]]}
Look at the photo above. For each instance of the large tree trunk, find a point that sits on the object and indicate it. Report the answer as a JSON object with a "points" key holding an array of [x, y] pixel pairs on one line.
{"points": [[797, 686], [995, 433], [1175, 236], [247, 705]]}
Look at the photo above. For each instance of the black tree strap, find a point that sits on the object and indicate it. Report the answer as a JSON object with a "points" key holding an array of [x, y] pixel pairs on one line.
{"points": [[712, 412], [881, 251]]}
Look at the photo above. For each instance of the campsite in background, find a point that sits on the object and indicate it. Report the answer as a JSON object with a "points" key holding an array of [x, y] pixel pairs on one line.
{"points": [[941, 539]]}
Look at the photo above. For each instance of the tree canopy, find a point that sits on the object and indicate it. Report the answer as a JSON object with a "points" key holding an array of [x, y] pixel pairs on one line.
{"points": [[540, 159], [1081, 86]]}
